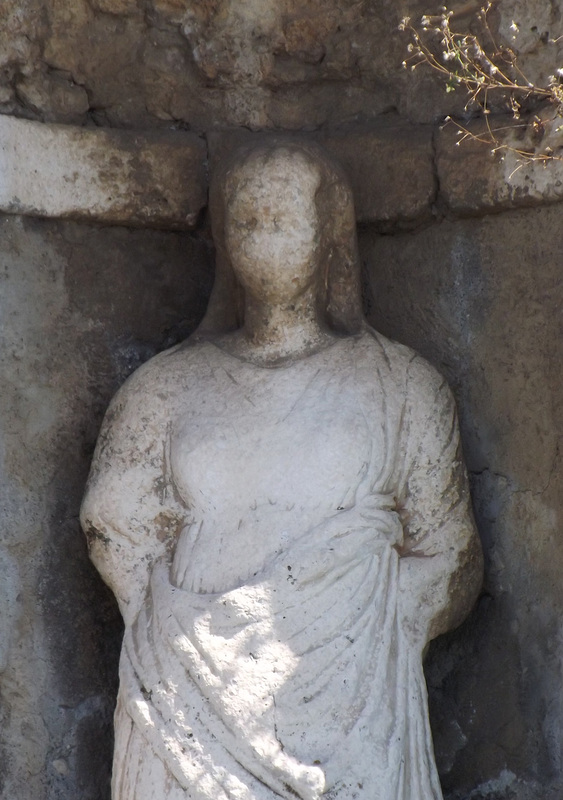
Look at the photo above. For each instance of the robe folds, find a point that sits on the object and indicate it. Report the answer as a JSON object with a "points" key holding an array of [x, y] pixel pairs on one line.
{"points": [[276, 651]]}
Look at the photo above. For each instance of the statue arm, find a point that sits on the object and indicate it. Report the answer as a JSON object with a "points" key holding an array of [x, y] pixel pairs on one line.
{"points": [[129, 512], [441, 560]]}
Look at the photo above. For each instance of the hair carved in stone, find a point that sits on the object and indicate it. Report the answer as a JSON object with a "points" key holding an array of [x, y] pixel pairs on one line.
{"points": [[281, 508]]}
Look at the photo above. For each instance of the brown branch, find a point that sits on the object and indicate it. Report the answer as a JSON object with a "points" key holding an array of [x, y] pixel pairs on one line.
{"points": [[465, 62]]}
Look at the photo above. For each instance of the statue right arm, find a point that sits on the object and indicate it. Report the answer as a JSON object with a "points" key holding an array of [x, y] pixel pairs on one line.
{"points": [[130, 513], [441, 561]]}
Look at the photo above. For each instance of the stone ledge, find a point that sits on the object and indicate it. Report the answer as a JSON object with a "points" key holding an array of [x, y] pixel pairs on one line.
{"points": [[390, 168], [156, 179], [474, 181], [389, 164]]}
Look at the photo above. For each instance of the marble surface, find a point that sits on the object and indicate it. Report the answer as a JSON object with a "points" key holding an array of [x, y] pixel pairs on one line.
{"points": [[282, 512]]}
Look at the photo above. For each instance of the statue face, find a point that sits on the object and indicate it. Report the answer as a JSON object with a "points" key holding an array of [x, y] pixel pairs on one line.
{"points": [[272, 227]]}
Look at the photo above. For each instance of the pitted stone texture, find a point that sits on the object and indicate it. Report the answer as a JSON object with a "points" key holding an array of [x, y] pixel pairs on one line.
{"points": [[482, 299], [389, 165], [153, 179], [270, 42], [391, 170], [474, 180], [81, 307], [533, 29], [266, 64]]}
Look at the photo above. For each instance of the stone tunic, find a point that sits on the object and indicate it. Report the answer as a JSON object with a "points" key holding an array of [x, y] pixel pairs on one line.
{"points": [[273, 650]]}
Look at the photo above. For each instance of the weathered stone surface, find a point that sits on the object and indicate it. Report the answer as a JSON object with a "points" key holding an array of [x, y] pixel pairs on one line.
{"points": [[389, 164], [391, 170], [533, 29], [118, 177], [117, 7], [266, 64], [159, 179], [475, 180], [21, 33], [81, 307], [55, 96], [283, 515], [481, 299]]}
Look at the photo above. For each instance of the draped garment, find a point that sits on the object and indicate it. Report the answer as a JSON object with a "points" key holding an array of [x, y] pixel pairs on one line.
{"points": [[299, 679]]}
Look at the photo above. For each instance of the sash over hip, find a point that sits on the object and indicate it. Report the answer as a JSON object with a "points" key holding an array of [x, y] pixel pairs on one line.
{"points": [[275, 687]]}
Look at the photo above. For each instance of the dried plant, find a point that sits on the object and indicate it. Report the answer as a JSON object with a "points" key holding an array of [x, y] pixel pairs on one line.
{"points": [[489, 72]]}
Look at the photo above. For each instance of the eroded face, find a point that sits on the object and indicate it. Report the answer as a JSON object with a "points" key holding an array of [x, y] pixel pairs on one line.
{"points": [[271, 226]]}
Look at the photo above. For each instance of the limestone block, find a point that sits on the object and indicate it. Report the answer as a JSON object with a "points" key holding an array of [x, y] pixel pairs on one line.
{"points": [[119, 177], [390, 168], [54, 95], [389, 165], [533, 29], [474, 180]]}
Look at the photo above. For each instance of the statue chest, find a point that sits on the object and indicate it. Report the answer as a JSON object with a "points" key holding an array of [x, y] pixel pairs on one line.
{"points": [[261, 457], [296, 438]]}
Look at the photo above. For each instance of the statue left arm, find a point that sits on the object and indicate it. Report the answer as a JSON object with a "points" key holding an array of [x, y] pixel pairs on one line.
{"points": [[130, 513], [440, 570]]}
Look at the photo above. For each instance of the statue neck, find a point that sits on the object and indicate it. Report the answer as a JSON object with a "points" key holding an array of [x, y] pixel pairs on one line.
{"points": [[275, 331]]}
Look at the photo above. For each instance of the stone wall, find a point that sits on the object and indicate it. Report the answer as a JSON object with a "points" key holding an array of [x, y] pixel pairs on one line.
{"points": [[81, 307], [207, 64], [481, 299], [84, 301]]}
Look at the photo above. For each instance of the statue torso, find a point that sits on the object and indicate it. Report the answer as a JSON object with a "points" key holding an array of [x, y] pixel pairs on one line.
{"points": [[261, 455]]}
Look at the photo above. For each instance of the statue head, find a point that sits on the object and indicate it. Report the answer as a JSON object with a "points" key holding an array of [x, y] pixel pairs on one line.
{"points": [[282, 217], [272, 231]]}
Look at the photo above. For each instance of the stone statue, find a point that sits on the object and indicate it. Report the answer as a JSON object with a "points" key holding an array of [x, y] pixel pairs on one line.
{"points": [[281, 509]]}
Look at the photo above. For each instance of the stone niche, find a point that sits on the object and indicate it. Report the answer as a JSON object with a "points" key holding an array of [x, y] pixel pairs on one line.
{"points": [[459, 264], [481, 299], [81, 307]]}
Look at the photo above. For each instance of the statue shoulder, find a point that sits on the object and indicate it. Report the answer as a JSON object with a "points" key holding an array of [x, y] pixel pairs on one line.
{"points": [[163, 380], [401, 363]]}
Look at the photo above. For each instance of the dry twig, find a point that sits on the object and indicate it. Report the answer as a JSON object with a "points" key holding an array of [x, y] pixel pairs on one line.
{"points": [[485, 68]]}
